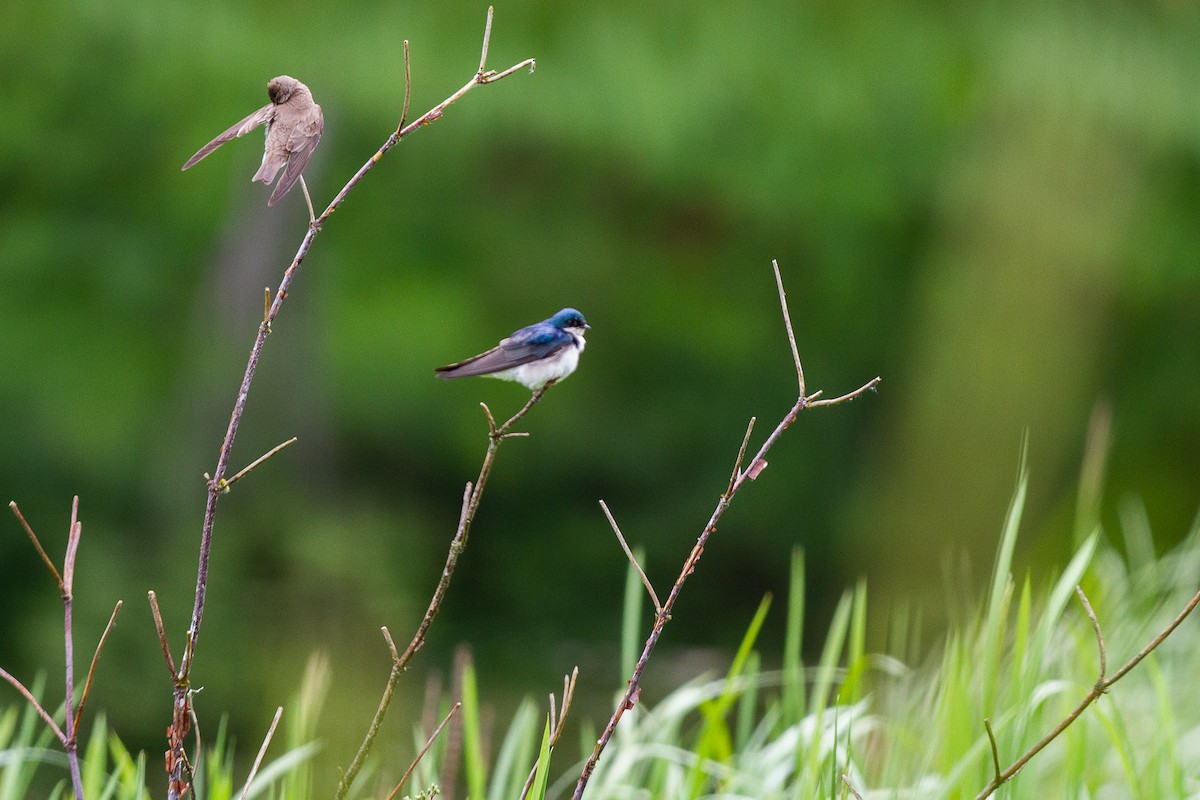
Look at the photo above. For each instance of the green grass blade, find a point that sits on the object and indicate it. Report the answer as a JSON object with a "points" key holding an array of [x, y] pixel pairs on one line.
{"points": [[631, 616], [793, 665], [474, 763]]}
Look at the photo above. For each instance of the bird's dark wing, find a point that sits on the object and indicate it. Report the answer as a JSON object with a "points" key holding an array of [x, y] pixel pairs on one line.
{"points": [[260, 117], [300, 146], [522, 347]]}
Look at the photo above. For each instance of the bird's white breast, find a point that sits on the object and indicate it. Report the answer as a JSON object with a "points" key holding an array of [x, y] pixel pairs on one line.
{"points": [[538, 373]]}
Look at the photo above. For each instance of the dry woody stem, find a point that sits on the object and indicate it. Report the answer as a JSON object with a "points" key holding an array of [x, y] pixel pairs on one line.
{"points": [[178, 782], [470, 504], [1102, 685], [737, 480], [68, 735]]}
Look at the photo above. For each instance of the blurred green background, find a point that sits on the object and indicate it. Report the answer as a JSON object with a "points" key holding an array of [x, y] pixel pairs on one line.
{"points": [[993, 206]]}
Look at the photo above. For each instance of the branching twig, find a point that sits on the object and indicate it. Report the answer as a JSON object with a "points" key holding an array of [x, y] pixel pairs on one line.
{"points": [[177, 784], [756, 466], [556, 723], [68, 734], [470, 504], [1101, 686], [632, 560]]}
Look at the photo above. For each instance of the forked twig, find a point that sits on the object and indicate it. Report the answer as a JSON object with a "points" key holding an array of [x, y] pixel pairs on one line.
{"points": [[68, 734], [556, 724], [1101, 686], [756, 466], [470, 504], [176, 760]]}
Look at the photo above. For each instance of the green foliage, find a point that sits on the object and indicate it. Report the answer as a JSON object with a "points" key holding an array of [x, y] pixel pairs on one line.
{"points": [[976, 202], [1021, 659]]}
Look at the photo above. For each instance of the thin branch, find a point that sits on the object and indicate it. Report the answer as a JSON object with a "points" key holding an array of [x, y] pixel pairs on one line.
{"points": [[737, 462], [226, 485], [262, 751], [162, 632], [428, 744], [633, 687], [787, 322], [407, 88], [312, 215], [868, 386], [176, 760], [87, 684], [1155, 642], [58, 581], [74, 534], [470, 504], [1091, 615], [387, 635], [850, 786], [556, 724], [1101, 686], [29, 698], [632, 560], [987, 725]]}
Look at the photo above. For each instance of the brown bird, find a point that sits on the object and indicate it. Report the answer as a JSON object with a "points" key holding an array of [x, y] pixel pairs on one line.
{"points": [[294, 126]]}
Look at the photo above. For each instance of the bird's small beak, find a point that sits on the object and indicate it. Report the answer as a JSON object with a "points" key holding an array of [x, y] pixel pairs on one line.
{"points": [[587, 327]]}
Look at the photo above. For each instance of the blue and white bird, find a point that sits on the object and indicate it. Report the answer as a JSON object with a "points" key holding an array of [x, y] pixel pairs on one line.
{"points": [[542, 353]]}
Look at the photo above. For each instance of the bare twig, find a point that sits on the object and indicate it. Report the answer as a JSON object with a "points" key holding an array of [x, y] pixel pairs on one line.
{"points": [[470, 504], [1101, 686], [29, 698], [737, 462], [556, 724], [162, 633], [850, 786], [407, 88], [630, 556], [87, 684], [787, 321], [68, 734], [987, 726], [262, 751], [58, 581], [177, 784], [633, 688], [1091, 615], [226, 485], [428, 744]]}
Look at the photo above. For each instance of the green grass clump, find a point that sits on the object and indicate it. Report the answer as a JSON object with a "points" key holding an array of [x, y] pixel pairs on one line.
{"points": [[901, 724], [1022, 661]]}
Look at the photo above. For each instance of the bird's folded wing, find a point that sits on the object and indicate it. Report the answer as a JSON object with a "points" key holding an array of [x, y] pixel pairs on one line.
{"points": [[260, 117], [512, 352], [300, 145]]}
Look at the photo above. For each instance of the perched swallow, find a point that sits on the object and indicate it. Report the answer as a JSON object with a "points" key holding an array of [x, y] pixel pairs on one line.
{"points": [[539, 354], [294, 125]]}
